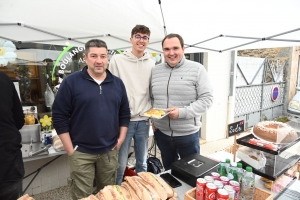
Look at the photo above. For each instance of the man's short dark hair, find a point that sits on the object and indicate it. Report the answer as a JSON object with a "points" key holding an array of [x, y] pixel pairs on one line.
{"points": [[172, 35], [94, 43], [140, 29]]}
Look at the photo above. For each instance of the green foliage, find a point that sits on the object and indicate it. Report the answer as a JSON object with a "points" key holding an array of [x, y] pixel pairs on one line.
{"points": [[283, 119]]}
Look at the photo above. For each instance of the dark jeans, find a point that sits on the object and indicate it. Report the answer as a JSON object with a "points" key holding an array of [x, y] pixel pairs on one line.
{"points": [[11, 186], [173, 148]]}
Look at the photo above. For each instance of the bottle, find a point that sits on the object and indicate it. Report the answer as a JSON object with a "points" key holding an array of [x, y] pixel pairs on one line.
{"points": [[227, 164], [222, 169], [49, 96], [232, 174], [240, 172], [247, 190]]}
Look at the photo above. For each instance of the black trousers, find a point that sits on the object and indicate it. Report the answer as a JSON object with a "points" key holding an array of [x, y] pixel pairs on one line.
{"points": [[11, 186]]}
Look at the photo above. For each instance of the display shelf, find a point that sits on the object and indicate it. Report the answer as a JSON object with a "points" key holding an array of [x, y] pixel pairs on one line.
{"points": [[245, 141], [275, 166]]}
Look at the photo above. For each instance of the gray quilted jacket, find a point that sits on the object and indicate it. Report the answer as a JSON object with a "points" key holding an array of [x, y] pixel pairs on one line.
{"points": [[187, 87]]}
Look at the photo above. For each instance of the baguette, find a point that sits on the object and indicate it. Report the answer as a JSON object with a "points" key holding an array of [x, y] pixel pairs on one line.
{"points": [[126, 194], [133, 195], [153, 183], [140, 191], [109, 192], [154, 194], [157, 182], [91, 197], [26, 197]]}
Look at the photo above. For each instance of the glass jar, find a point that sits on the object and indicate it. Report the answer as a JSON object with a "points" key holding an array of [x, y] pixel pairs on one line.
{"points": [[29, 117]]}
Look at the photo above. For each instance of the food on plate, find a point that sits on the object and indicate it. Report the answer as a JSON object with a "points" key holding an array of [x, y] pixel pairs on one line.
{"points": [[273, 131], [155, 113]]}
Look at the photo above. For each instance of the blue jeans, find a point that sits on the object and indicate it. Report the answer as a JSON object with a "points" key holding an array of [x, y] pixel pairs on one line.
{"points": [[173, 148], [139, 132]]}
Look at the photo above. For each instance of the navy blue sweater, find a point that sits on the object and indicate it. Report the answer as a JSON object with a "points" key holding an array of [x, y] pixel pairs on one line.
{"points": [[11, 120], [91, 113]]}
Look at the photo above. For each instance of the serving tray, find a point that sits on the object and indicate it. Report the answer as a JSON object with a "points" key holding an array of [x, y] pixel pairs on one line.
{"points": [[156, 113]]}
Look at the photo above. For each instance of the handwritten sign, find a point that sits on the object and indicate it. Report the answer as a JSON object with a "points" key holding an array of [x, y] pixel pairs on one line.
{"points": [[236, 127]]}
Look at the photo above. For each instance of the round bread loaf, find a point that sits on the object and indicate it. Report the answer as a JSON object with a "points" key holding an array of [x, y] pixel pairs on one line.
{"points": [[276, 132]]}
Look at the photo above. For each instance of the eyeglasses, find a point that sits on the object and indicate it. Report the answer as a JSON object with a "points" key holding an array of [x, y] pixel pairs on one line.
{"points": [[138, 37]]}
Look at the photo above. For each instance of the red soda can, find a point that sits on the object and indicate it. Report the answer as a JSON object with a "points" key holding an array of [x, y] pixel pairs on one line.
{"points": [[236, 187], [222, 194], [215, 175], [224, 180], [230, 191], [200, 188], [210, 191], [209, 179], [219, 184]]}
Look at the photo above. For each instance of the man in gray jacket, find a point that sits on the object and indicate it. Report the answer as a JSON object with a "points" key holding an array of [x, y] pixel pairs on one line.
{"points": [[183, 87]]}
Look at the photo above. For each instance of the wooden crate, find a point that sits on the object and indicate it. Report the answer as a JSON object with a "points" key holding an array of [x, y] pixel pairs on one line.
{"points": [[258, 195]]}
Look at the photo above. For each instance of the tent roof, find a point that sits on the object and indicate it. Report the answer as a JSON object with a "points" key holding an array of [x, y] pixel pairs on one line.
{"points": [[55, 21]]}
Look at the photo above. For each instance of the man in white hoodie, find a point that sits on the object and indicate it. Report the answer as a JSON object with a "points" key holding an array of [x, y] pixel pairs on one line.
{"points": [[134, 68]]}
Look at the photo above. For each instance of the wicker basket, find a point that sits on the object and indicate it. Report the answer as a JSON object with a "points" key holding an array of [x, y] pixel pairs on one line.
{"points": [[258, 195], [190, 195]]}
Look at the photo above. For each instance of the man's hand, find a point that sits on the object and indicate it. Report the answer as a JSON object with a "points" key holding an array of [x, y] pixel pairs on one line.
{"points": [[119, 144], [174, 113]]}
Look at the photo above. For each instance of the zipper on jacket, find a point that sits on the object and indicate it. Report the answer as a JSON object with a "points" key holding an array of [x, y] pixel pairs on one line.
{"points": [[168, 98], [100, 89]]}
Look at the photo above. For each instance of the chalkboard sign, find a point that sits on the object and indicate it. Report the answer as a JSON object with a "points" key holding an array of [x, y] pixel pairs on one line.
{"points": [[235, 128]]}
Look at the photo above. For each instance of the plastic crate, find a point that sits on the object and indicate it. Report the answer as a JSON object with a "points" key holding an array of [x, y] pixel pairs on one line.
{"points": [[258, 195]]}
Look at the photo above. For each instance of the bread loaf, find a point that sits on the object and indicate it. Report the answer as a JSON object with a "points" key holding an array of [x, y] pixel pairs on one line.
{"points": [[25, 197]]}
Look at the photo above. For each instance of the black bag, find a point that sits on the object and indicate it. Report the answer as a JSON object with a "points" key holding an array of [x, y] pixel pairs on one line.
{"points": [[154, 165]]}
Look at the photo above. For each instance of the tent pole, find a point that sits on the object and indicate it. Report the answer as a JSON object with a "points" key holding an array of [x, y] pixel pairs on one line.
{"points": [[207, 40], [8, 39], [36, 29], [279, 34], [202, 48], [241, 45], [162, 15], [8, 24], [242, 37], [94, 36]]}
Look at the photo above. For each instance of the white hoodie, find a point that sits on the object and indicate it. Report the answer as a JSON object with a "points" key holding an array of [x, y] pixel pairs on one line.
{"points": [[136, 75]]}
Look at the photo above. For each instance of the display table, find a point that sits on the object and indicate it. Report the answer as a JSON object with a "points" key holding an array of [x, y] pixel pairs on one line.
{"points": [[37, 146], [34, 147]]}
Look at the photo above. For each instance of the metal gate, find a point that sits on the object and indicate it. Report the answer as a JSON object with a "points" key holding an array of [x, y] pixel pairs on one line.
{"points": [[260, 91]]}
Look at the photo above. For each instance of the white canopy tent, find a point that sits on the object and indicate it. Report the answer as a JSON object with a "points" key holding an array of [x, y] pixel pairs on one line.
{"points": [[247, 24]]}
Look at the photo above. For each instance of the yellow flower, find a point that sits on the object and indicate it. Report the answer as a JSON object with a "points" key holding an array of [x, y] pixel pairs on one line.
{"points": [[46, 121]]}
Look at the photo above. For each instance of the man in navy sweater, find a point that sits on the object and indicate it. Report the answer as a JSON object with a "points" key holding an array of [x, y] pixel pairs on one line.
{"points": [[91, 116]]}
